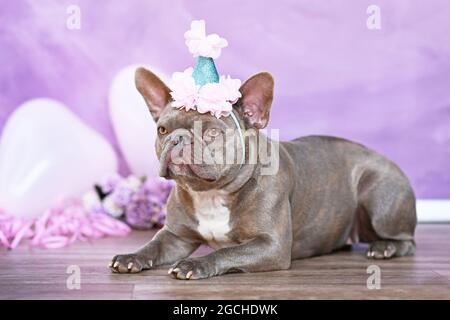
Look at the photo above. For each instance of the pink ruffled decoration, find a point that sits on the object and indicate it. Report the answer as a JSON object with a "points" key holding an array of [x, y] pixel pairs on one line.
{"points": [[58, 227], [232, 88], [215, 98], [184, 91], [212, 98]]}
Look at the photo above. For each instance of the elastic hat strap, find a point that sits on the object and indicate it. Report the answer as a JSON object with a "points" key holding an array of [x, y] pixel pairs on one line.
{"points": [[241, 136]]}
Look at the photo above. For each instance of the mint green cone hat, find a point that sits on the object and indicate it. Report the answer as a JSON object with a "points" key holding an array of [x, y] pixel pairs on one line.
{"points": [[205, 71]]}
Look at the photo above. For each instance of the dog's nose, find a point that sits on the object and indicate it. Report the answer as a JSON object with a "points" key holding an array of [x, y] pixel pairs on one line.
{"points": [[180, 138], [176, 140]]}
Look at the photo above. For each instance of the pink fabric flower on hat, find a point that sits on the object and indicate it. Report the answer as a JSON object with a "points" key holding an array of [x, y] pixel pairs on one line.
{"points": [[232, 86], [212, 98], [183, 90], [216, 98], [203, 45]]}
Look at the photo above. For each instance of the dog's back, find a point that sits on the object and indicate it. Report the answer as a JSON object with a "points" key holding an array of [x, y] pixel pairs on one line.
{"points": [[344, 190]]}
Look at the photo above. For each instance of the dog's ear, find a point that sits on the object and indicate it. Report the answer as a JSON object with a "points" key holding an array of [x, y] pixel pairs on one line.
{"points": [[154, 91], [257, 95]]}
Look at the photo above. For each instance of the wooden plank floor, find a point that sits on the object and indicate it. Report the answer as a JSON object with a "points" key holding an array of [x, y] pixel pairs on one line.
{"points": [[41, 274]]}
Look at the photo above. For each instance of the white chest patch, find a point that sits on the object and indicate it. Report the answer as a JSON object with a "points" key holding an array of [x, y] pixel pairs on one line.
{"points": [[213, 217]]}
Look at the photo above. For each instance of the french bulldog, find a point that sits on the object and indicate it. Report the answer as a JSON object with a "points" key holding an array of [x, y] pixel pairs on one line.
{"points": [[326, 192]]}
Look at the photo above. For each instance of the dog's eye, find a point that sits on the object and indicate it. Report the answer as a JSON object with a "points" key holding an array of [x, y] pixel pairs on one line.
{"points": [[162, 130], [213, 132]]}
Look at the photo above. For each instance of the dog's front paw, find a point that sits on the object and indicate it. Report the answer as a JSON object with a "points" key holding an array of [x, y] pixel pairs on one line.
{"points": [[130, 263], [193, 268], [381, 250]]}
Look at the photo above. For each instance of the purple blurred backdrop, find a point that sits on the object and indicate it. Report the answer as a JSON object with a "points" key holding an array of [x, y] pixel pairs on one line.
{"points": [[388, 88]]}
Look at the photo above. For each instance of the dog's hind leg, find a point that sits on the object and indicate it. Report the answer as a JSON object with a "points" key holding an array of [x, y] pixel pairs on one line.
{"points": [[387, 201]]}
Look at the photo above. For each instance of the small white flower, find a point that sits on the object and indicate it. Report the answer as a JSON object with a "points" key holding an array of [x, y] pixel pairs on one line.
{"points": [[200, 44], [112, 208], [90, 200], [133, 183]]}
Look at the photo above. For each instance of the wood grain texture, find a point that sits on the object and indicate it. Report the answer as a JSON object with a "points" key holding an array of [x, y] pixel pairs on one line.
{"points": [[41, 274]]}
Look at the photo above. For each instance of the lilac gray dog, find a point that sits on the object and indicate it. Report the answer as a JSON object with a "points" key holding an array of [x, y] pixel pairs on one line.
{"points": [[326, 191]]}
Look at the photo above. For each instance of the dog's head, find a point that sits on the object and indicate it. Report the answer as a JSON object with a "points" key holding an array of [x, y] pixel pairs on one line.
{"points": [[201, 151]]}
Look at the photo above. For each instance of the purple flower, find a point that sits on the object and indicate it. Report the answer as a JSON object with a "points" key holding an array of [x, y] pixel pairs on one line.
{"points": [[140, 201], [109, 182], [159, 188], [140, 213], [121, 196], [147, 205]]}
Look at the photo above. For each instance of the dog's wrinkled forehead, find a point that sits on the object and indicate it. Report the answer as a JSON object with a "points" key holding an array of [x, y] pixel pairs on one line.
{"points": [[173, 118]]}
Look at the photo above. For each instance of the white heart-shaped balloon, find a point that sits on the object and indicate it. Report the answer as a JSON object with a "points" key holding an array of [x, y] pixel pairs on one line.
{"points": [[133, 125], [48, 154]]}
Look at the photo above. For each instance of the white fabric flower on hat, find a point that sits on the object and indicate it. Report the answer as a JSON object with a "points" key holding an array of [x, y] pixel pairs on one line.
{"points": [[183, 89], [203, 45]]}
